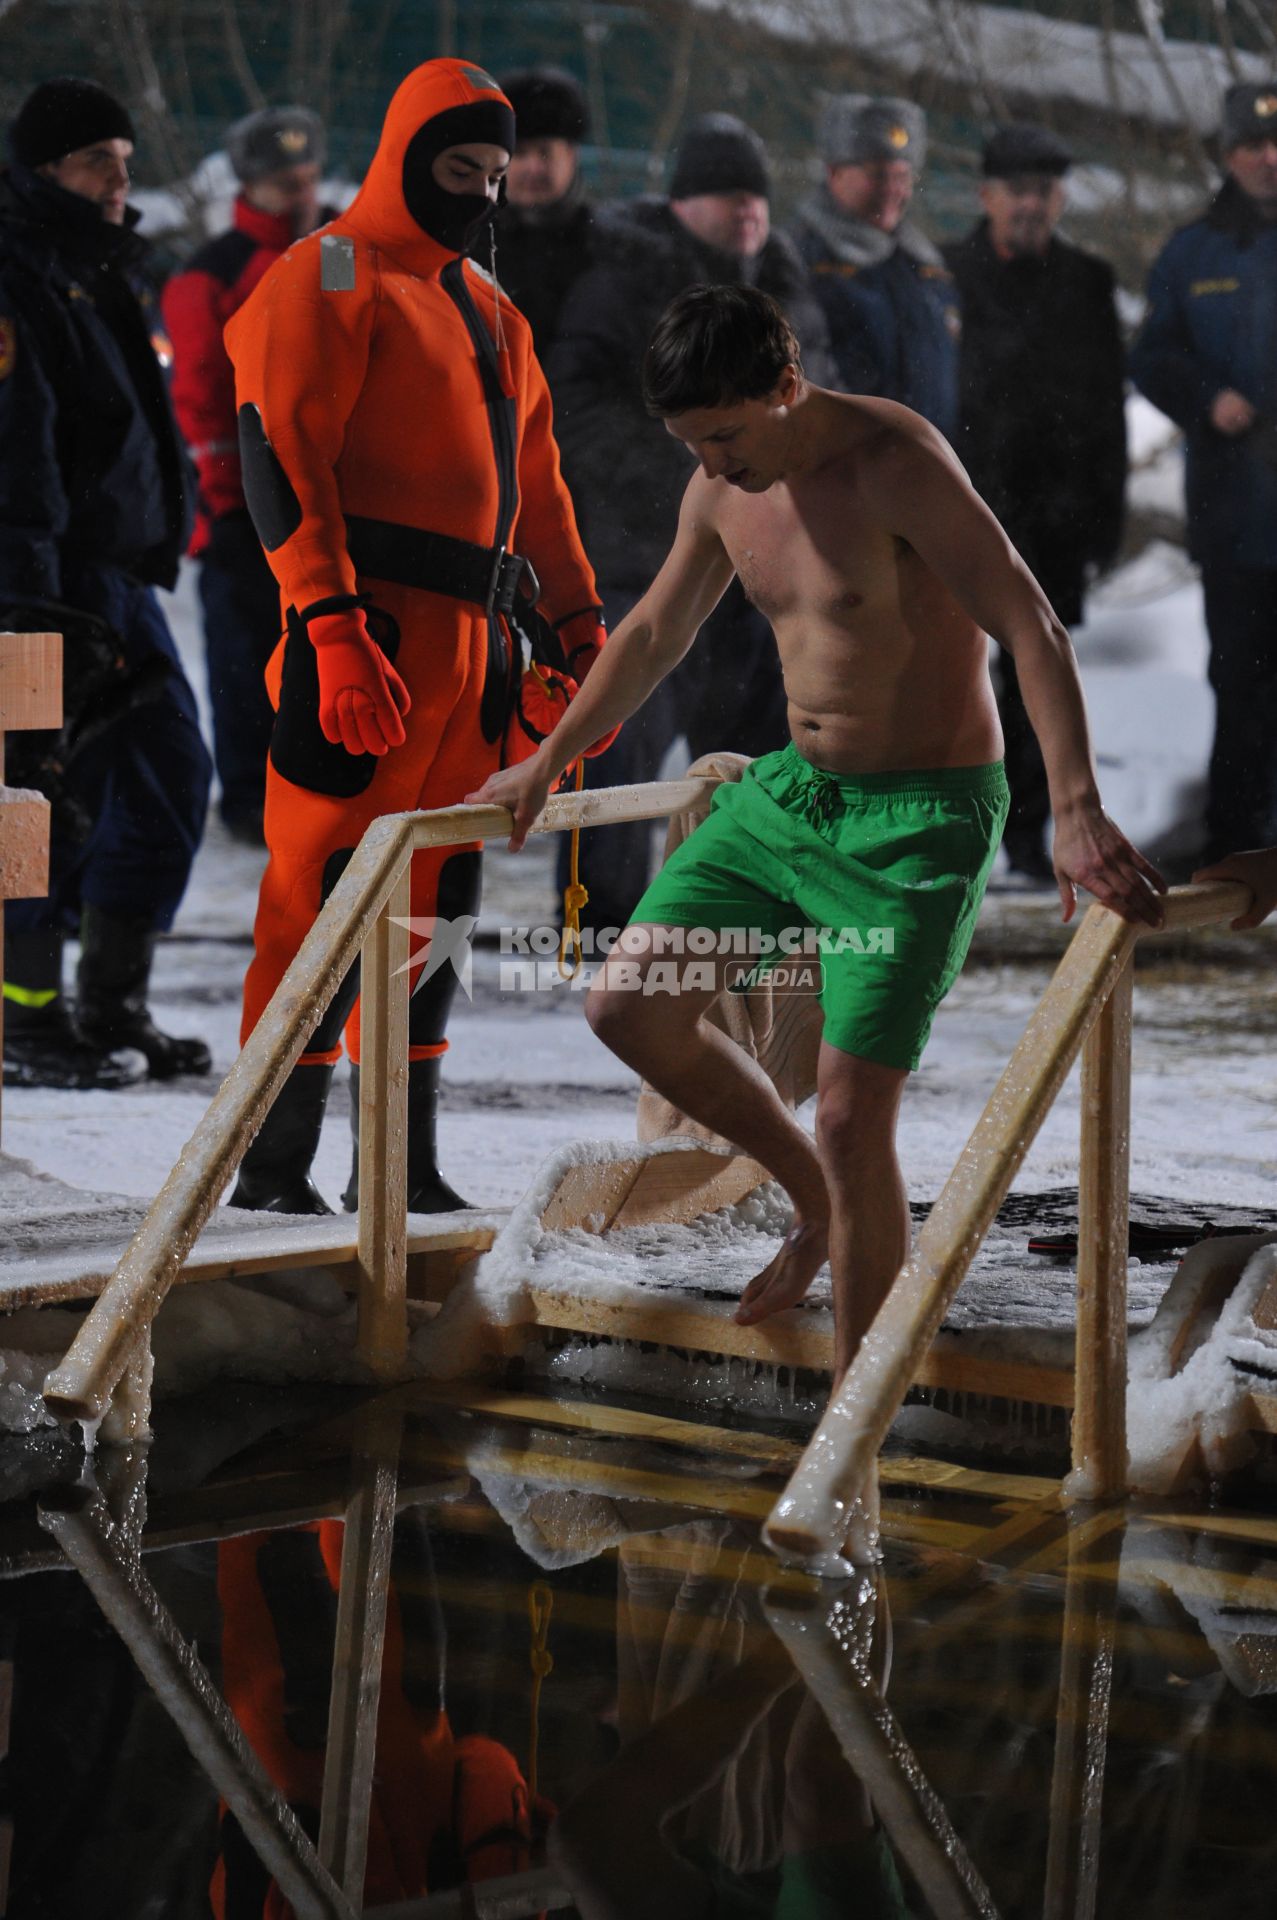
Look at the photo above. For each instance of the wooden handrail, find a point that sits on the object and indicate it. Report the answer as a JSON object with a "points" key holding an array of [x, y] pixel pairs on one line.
{"points": [[810, 1516], [81, 1386]]}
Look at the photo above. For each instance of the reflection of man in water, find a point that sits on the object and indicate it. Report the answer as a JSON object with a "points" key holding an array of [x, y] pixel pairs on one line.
{"points": [[730, 1795], [855, 530]]}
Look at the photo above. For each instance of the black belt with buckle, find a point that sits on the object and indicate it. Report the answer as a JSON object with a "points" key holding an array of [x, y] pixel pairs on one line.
{"points": [[489, 577]]}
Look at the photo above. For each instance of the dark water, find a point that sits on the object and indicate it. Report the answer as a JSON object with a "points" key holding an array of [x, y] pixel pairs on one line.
{"points": [[516, 1661]]}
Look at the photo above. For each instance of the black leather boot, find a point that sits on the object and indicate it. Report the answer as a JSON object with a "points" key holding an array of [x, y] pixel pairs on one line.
{"points": [[428, 1191], [114, 973], [41, 1045], [274, 1175]]}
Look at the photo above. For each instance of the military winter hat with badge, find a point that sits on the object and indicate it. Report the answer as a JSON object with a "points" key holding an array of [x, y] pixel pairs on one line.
{"points": [[1250, 113], [275, 138], [548, 103], [719, 154], [855, 128], [1023, 148], [62, 116]]}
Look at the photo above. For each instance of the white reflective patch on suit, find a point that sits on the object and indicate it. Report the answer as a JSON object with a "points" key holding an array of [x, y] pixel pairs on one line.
{"points": [[336, 263]]}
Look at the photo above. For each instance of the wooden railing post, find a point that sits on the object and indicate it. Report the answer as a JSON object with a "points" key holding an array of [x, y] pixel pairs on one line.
{"points": [[383, 1135], [811, 1516], [30, 697], [1104, 1183], [350, 1752], [83, 1529]]}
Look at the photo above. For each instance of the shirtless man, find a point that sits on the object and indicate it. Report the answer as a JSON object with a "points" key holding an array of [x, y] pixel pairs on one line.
{"points": [[853, 527]]}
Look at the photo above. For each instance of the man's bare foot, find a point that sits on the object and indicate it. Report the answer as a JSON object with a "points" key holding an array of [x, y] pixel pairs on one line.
{"points": [[784, 1281]]}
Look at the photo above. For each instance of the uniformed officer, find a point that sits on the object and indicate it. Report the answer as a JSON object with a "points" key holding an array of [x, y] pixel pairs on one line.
{"points": [[1207, 356], [888, 297]]}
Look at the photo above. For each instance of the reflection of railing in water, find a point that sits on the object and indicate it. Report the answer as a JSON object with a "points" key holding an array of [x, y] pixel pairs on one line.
{"points": [[367, 911], [919, 1780], [1087, 1006]]}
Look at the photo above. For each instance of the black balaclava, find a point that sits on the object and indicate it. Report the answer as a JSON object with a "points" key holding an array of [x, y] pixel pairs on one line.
{"points": [[453, 219]]}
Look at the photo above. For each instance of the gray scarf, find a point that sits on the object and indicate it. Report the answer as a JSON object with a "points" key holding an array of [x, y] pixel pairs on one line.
{"points": [[855, 243]]}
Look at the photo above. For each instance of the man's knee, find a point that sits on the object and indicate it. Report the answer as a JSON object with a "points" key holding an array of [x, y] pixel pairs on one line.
{"points": [[856, 1108]]}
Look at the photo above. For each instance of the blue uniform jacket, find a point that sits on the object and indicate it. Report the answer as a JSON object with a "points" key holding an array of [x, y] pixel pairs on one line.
{"points": [[894, 326], [1212, 323], [92, 473]]}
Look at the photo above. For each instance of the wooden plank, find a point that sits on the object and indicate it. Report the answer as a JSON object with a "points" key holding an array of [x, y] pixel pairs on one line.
{"points": [[797, 1337], [1099, 1415], [383, 1135], [589, 1197], [30, 681], [186, 1691], [351, 1748], [1264, 1313], [434, 1253], [1201, 906], [808, 1518], [593, 807], [24, 844], [678, 1187]]}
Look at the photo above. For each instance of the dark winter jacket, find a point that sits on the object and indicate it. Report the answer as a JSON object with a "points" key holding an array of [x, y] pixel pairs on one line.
{"points": [[627, 475], [198, 302], [540, 256], [1042, 424], [92, 472], [891, 309], [1211, 324]]}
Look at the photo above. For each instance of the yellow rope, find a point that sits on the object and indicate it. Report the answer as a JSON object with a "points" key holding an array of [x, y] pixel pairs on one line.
{"points": [[540, 1606], [575, 896]]}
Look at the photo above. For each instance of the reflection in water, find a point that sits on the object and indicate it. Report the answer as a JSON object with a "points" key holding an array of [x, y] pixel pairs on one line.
{"points": [[329, 1681], [729, 1794]]}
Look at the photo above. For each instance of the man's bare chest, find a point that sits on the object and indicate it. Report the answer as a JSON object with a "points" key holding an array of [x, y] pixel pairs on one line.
{"points": [[805, 560]]}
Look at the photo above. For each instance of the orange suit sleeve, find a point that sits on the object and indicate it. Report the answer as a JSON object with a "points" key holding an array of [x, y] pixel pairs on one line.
{"points": [[300, 356], [545, 530]]}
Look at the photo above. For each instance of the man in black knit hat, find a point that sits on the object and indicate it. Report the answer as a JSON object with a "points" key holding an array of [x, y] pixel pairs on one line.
{"points": [[93, 516], [544, 229], [627, 475]]}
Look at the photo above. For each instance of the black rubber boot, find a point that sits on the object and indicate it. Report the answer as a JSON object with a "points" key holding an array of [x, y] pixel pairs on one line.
{"points": [[274, 1175], [113, 977], [428, 1191], [41, 1045]]}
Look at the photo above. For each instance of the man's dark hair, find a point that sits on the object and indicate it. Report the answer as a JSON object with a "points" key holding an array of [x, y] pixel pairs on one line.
{"points": [[716, 346]]}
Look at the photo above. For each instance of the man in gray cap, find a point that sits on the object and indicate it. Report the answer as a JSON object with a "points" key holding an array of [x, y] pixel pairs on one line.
{"points": [[1207, 356], [890, 303], [278, 157], [1042, 417]]}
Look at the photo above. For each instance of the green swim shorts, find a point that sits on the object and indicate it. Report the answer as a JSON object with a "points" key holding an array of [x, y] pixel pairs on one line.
{"points": [[879, 875]]}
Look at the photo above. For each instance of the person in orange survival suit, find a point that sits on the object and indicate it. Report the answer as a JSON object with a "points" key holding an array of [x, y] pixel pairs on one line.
{"points": [[398, 457], [445, 1809]]}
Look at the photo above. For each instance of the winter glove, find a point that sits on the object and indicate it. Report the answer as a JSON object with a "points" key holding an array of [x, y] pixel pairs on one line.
{"points": [[361, 697], [581, 636]]}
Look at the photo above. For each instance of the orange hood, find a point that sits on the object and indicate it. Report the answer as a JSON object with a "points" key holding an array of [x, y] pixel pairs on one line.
{"points": [[473, 109]]}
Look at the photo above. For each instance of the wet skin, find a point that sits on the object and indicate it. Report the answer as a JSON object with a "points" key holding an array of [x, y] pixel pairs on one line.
{"points": [[854, 528]]}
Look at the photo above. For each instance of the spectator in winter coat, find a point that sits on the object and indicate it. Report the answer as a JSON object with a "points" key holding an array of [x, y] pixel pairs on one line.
{"points": [[277, 155], [891, 306], [93, 516], [544, 230], [1207, 356], [1042, 423], [627, 475]]}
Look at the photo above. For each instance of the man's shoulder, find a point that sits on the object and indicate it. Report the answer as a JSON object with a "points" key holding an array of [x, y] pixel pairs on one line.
{"points": [[223, 258]]}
